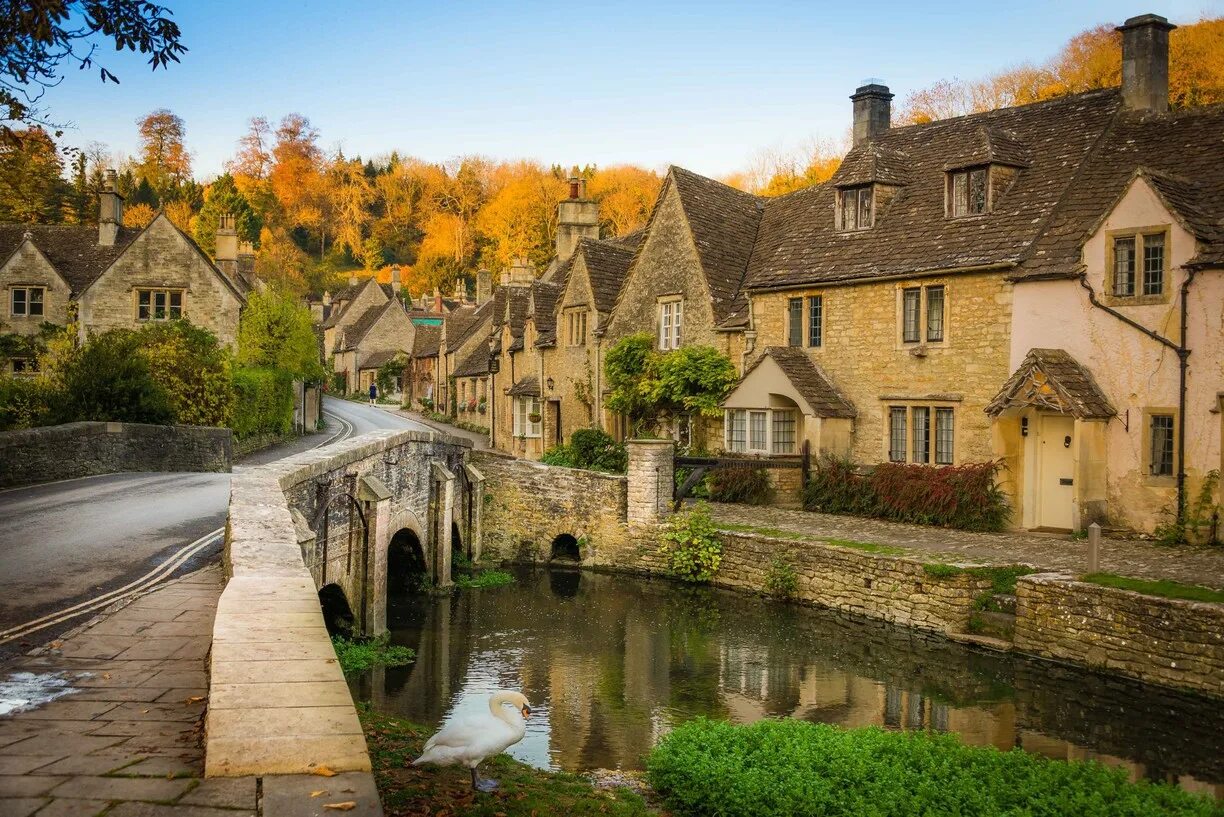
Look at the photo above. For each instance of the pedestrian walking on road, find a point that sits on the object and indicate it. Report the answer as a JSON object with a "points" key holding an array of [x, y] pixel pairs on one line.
{"points": [[373, 393]]}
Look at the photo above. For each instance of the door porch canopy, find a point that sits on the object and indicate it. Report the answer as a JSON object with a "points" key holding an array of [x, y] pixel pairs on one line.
{"points": [[1053, 380]]}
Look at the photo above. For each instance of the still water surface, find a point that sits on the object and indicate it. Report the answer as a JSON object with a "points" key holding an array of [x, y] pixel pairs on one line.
{"points": [[611, 663]]}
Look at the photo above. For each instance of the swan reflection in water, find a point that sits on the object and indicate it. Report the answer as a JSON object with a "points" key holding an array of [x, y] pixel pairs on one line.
{"points": [[613, 662]]}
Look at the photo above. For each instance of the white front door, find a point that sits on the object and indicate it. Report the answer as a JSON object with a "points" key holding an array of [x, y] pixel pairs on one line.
{"points": [[1055, 471]]}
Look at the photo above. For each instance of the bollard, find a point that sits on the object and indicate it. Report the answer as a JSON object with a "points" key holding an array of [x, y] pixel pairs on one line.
{"points": [[1094, 548]]}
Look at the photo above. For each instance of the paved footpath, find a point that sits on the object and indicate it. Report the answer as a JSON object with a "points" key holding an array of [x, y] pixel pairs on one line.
{"points": [[124, 736], [1137, 558]]}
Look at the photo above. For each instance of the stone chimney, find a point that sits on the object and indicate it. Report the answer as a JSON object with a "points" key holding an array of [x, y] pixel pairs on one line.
{"points": [[327, 299], [110, 210], [872, 110], [352, 280], [577, 218], [484, 286], [316, 311], [226, 254], [1145, 63], [521, 273], [437, 300], [395, 280]]}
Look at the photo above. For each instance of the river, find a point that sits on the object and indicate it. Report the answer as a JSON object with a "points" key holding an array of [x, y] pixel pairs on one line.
{"points": [[610, 663]]}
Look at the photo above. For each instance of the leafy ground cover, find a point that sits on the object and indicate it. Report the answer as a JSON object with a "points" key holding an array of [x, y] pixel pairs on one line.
{"points": [[358, 655], [485, 578], [525, 791], [790, 768], [1164, 588]]}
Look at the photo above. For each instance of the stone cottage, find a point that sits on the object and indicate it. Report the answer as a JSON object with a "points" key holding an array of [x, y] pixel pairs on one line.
{"points": [[112, 276]]}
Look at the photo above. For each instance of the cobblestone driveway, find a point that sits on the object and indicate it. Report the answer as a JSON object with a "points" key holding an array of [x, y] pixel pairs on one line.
{"points": [[1055, 552]]}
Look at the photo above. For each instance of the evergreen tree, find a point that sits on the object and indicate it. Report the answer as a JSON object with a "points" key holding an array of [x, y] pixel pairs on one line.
{"points": [[223, 197]]}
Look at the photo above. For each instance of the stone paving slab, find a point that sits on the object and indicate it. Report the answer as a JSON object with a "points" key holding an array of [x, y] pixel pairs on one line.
{"points": [[1137, 558]]}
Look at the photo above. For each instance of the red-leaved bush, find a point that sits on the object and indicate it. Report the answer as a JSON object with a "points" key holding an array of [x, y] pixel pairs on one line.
{"points": [[962, 496]]}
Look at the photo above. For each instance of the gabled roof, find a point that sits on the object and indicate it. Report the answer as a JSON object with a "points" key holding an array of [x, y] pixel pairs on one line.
{"points": [[543, 305], [797, 243], [467, 325], [723, 222], [811, 384], [1053, 379], [510, 305], [607, 264], [349, 294], [354, 334], [376, 359], [872, 162], [475, 364], [73, 250], [1178, 153]]}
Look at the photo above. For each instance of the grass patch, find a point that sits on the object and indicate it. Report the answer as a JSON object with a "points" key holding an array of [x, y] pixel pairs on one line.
{"points": [[1163, 588], [778, 533], [525, 791], [780, 768], [938, 570], [358, 655], [485, 578], [866, 547]]}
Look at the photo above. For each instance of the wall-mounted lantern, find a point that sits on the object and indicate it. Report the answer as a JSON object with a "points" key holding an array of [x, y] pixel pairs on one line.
{"points": [[549, 383], [1023, 426]]}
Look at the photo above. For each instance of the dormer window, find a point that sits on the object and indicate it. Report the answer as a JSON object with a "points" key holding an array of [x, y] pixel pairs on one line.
{"points": [[968, 192], [856, 213]]}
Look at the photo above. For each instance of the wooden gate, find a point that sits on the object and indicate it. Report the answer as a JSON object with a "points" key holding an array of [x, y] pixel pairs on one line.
{"points": [[701, 465]]}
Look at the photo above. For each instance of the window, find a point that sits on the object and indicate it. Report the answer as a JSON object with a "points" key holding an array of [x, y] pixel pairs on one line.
{"points": [[923, 314], [26, 302], [856, 208], [794, 321], [912, 435], [815, 319], [24, 365], [159, 304], [671, 315], [761, 431], [524, 409], [783, 432], [576, 328], [1138, 265], [968, 192], [1161, 433], [896, 434]]}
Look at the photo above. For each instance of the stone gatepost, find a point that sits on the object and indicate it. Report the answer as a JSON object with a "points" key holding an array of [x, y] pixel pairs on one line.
{"points": [[651, 480], [442, 503], [375, 499]]}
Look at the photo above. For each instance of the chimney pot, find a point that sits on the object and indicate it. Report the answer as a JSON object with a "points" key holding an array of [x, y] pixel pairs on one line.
{"points": [[872, 110], [1145, 63], [227, 242]]}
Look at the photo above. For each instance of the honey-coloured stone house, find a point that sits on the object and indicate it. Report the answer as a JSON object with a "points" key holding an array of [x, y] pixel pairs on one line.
{"points": [[113, 277]]}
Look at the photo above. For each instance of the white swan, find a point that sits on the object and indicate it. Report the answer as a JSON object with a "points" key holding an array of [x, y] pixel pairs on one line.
{"points": [[468, 741]]}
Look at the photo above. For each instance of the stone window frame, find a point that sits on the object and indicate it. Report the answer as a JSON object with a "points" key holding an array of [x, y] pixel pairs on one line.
{"points": [[26, 290], [153, 293], [950, 192], [934, 409], [924, 325], [1161, 480], [1139, 235], [576, 326], [669, 335], [840, 212]]}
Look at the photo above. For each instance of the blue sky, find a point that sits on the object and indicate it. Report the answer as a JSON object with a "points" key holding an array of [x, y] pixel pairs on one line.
{"points": [[703, 85]]}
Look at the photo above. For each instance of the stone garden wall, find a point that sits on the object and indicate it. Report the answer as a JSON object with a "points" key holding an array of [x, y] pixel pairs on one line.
{"points": [[86, 449], [1157, 640]]}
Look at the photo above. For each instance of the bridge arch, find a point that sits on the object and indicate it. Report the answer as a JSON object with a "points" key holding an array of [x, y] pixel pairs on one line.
{"points": [[407, 565], [337, 612], [565, 548]]}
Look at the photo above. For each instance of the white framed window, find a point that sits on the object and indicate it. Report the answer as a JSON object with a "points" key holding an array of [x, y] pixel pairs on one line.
{"points": [[1162, 431], [671, 318], [924, 314], [26, 302], [159, 304], [921, 434], [760, 431], [526, 408]]}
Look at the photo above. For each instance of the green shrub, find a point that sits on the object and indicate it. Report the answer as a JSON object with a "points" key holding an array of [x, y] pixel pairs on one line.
{"points": [[485, 578], [264, 402], [748, 486], [691, 545], [561, 455], [192, 368], [109, 379], [359, 654], [785, 768], [781, 580], [25, 402], [596, 450], [963, 496]]}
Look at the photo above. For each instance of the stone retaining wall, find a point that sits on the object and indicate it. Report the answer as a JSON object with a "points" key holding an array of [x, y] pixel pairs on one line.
{"points": [[1164, 641], [74, 450]]}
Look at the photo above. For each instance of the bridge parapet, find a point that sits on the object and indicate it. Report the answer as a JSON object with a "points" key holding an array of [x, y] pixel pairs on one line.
{"points": [[278, 700]]}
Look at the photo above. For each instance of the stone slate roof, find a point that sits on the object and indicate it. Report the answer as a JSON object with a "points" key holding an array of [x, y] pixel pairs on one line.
{"points": [[872, 162], [465, 325], [1178, 153], [798, 245], [376, 359], [355, 333], [527, 387], [723, 222], [348, 294], [544, 297], [1053, 379], [475, 364], [72, 250], [426, 340], [510, 305], [807, 378], [607, 264]]}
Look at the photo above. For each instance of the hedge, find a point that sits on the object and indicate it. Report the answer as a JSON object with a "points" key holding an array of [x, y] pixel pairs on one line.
{"points": [[264, 402], [791, 768]]}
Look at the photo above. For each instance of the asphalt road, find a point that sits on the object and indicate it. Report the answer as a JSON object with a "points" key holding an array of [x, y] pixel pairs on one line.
{"points": [[64, 545]]}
